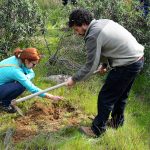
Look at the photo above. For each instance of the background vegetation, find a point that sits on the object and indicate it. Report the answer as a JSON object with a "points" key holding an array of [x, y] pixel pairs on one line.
{"points": [[42, 24]]}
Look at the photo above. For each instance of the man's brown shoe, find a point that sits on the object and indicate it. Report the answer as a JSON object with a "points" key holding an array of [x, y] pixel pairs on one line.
{"points": [[88, 131]]}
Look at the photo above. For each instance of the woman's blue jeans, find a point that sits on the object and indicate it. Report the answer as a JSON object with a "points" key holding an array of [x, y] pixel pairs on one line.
{"points": [[113, 96], [10, 91]]}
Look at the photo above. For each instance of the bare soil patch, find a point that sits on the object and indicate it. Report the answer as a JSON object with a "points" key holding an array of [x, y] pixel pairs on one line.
{"points": [[43, 118]]}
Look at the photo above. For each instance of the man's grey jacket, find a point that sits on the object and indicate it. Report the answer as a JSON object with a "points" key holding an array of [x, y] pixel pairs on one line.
{"points": [[109, 41]]}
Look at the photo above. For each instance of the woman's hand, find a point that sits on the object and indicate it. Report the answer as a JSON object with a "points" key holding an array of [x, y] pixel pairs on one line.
{"points": [[57, 98], [53, 97]]}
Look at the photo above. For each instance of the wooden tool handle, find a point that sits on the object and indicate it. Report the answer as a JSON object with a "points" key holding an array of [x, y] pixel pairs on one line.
{"points": [[38, 93]]}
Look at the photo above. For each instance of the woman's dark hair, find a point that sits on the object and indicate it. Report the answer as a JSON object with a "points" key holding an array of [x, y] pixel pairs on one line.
{"points": [[79, 17]]}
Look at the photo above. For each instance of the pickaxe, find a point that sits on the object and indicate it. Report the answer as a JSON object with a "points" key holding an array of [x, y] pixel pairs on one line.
{"points": [[14, 102]]}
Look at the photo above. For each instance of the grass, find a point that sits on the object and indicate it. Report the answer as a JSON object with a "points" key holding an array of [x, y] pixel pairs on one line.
{"points": [[133, 135]]}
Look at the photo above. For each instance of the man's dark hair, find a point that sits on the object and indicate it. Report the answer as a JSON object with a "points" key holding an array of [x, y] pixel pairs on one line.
{"points": [[79, 17], [65, 2]]}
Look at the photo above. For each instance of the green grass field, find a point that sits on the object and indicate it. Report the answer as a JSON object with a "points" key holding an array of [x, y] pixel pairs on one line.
{"points": [[133, 135]]}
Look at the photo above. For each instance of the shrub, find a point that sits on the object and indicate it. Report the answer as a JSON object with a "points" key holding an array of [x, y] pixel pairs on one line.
{"points": [[20, 20]]}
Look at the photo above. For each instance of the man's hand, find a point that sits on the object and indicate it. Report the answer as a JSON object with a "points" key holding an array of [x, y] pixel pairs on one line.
{"points": [[102, 69], [70, 82]]}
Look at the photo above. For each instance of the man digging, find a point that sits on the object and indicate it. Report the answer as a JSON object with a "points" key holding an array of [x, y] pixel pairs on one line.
{"points": [[108, 44]]}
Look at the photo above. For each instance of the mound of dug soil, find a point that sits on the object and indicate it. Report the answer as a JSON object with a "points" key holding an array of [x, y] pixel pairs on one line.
{"points": [[43, 118]]}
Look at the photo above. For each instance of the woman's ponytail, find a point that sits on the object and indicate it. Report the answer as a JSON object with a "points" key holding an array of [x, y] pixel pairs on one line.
{"points": [[18, 52]]}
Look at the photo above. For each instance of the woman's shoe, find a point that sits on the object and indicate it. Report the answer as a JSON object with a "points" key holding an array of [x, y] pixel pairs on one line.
{"points": [[9, 109]]}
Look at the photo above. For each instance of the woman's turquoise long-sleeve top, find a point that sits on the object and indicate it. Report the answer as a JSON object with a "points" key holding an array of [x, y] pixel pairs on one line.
{"points": [[17, 72]]}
